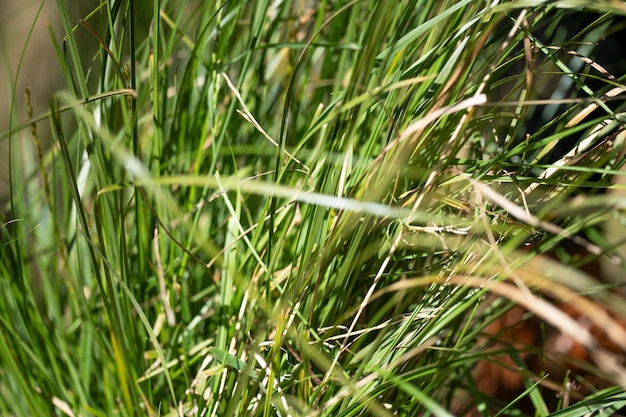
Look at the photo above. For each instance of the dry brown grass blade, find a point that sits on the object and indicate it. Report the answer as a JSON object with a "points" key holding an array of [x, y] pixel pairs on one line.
{"points": [[547, 312], [580, 116]]}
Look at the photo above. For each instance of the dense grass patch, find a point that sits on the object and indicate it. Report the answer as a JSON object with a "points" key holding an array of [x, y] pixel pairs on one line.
{"points": [[306, 208]]}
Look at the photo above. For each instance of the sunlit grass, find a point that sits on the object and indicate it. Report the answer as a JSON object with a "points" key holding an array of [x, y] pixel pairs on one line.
{"points": [[302, 208]]}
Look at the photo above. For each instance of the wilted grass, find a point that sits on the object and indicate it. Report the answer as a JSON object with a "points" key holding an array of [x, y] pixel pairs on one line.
{"points": [[299, 208]]}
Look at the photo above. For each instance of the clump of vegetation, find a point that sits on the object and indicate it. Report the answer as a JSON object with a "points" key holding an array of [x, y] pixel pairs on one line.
{"points": [[302, 208]]}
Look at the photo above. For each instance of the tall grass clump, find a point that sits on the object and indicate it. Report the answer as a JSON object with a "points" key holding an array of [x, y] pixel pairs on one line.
{"points": [[301, 208]]}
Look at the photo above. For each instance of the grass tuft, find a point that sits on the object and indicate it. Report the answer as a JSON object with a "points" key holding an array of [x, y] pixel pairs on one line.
{"points": [[301, 208]]}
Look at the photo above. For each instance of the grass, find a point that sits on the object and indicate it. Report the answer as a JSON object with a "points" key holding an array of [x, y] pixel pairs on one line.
{"points": [[300, 208]]}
